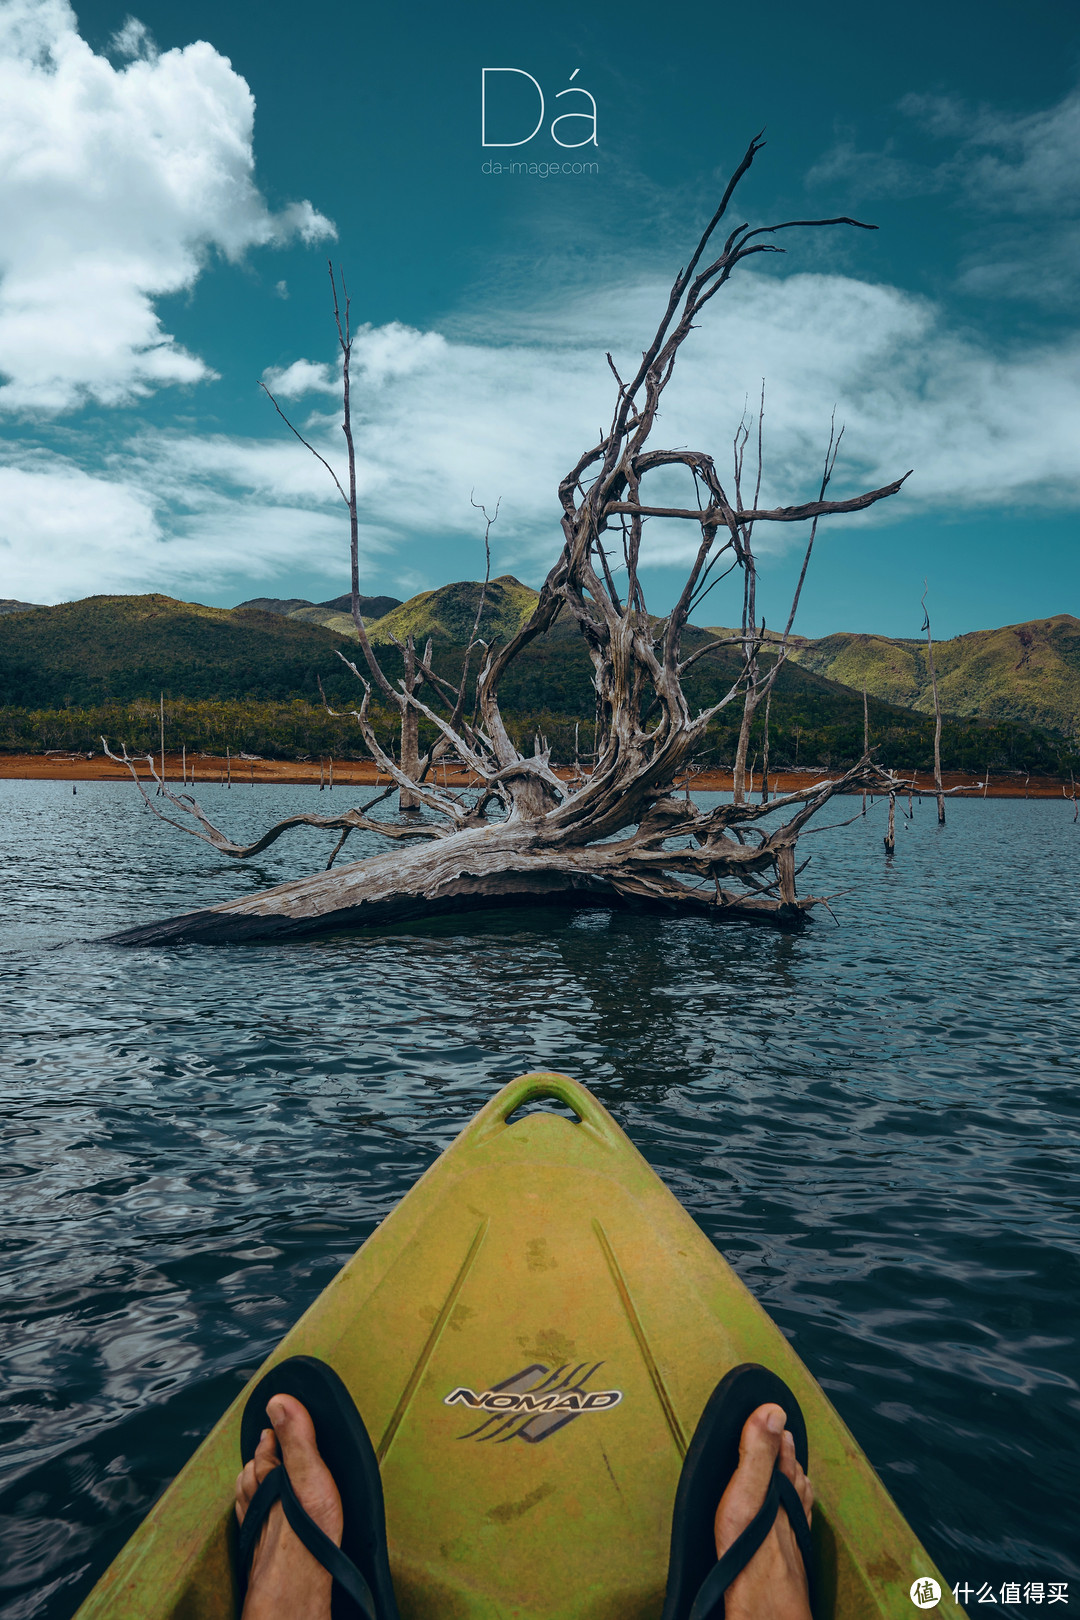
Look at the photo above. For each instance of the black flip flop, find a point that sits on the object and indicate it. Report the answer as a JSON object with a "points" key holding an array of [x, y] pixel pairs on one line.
{"points": [[360, 1567], [697, 1580]]}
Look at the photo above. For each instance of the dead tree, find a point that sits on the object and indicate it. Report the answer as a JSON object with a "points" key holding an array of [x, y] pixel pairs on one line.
{"points": [[890, 831], [412, 676], [759, 682], [614, 835], [937, 714], [411, 681]]}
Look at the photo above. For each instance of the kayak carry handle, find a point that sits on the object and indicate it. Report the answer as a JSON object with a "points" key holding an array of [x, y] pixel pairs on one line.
{"points": [[494, 1116]]}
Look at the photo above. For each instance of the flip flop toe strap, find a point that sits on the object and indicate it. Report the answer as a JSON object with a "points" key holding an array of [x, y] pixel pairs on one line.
{"points": [[278, 1485], [709, 1603], [789, 1501]]}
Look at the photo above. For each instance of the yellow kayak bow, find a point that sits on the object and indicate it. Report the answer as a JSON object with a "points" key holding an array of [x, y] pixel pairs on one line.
{"points": [[530, 1337]]}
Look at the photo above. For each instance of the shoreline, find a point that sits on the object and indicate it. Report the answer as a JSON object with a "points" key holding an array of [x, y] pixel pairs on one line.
{"points": [[206, 769]]}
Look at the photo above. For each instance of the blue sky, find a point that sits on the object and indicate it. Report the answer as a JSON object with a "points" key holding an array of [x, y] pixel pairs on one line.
{"points": [[172, 184]]}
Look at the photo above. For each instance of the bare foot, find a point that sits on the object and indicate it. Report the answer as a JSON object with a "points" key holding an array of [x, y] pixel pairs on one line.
{"points": [[773, 1584], [286, 1582]]}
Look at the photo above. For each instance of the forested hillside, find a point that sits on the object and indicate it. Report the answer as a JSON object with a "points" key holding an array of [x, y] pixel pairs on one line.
{"points": [[117, 648], [335, 615], [248, 679], [1028, 672]]}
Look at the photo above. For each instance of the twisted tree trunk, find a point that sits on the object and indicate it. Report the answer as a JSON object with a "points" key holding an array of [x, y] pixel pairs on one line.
{"points": [[615, 835], [521, 862]]}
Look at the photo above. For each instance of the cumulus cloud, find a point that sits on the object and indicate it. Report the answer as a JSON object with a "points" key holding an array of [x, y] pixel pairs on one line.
{"points": [[66, 533], [302, 377], [116, 183]]}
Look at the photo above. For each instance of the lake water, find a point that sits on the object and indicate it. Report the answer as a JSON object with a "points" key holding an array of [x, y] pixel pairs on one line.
{"points": [[877, 1123]]}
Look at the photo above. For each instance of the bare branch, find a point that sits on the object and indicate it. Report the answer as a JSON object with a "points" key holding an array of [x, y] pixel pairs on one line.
{"points": [[937, 709], [779, 514], [207, 833], [304, 442]]}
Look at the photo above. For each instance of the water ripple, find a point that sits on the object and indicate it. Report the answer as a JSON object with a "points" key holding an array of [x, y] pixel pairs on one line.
{"points": [[877, 1124]]}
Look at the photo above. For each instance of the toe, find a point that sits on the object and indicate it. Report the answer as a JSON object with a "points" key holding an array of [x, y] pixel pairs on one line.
{"points": [[760, 1442], [266, 1455], [293, 1427], [255, 1471], [759, 1446], [246, 1486], [806, 1495], [789, 1463], [790, 1466], [311, 1479]]}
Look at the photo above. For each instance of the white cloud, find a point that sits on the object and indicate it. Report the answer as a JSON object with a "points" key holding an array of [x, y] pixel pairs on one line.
{"points": [[505, 409], [115, 185], [302, 377], [438, 416], [133, 39], [65, 533], [1023, 162]]}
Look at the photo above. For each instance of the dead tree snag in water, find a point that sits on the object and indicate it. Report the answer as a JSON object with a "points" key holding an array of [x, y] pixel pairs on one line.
{"points": [[890, 831], [614, 834], [937, 715]]}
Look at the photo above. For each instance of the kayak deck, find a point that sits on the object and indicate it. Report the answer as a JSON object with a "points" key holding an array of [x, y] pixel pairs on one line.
{"points": [[530, 1337]]}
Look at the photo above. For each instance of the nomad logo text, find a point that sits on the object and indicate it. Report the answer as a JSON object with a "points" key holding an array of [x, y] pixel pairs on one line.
{"points": [[533, 1404], [509, 1403]]}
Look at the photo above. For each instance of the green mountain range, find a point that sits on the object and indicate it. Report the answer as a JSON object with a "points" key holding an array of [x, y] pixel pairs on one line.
{"points": [[248, 677], [1028, 672], [448, 614], [334, 615], [117, 648], [1023, 673]]}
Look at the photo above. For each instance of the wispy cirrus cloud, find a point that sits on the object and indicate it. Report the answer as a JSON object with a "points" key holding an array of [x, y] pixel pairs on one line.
{"points": [[116, 184], [1014, 172], [1025, 163]]}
